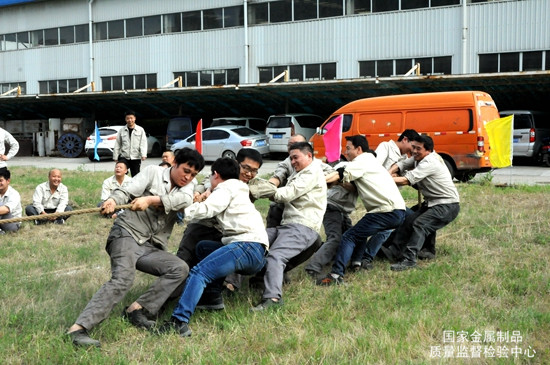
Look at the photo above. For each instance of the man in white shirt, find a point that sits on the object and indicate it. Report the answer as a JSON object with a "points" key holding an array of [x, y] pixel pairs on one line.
{"points": [[7, 139], [131, 144], [119, 179], [10, 203], [50, 197]]}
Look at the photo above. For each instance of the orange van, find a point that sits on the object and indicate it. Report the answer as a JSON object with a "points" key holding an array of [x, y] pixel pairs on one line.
{"points": [[455, 120]]}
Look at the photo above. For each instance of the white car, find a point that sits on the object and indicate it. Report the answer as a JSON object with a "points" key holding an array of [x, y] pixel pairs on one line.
{"points": [[226, 141], [107, 145]]}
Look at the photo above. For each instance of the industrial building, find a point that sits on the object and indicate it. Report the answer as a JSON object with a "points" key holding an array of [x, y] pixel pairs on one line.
{"points": [[95, 58]]}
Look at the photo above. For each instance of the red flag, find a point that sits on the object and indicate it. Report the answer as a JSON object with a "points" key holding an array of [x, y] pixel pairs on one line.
{"points": [[333, 139], [198, 137]]}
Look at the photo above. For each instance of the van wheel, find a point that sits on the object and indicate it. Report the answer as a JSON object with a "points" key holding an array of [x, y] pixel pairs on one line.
{"points": [[466, 176], [229, 154], [450, 168]]}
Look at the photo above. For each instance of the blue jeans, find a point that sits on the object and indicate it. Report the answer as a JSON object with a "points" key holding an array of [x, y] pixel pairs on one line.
{"points": [[219, 261], [369, 225]]}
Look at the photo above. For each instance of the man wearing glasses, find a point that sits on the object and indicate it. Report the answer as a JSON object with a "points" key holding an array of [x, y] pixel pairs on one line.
{"points": [[250, 162]]}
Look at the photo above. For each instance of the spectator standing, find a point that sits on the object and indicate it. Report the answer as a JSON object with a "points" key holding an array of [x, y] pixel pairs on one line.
{"points": [[131, 144], [7, 139]]}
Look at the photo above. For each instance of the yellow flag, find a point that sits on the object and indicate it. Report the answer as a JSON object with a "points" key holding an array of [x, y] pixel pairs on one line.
{"points": [[500, 133]]}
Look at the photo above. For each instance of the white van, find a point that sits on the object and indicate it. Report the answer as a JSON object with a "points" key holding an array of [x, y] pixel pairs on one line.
{"points": [[530, 128], [282, 126]]}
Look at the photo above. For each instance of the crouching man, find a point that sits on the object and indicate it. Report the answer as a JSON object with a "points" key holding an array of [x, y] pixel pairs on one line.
{"points": [[137, 241], [242, 249]]}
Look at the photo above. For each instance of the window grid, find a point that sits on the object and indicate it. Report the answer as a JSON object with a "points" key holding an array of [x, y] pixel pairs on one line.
{"points": [[513, 61], [398, 67], [208, 77], [129, 82]]}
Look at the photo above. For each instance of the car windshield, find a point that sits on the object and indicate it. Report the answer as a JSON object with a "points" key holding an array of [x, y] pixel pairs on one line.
{"points": [[279, 122], [245, 132], [106, 132]]}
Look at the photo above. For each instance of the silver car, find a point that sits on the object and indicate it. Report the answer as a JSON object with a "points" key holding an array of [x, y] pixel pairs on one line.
{"points": [[226, 141]]}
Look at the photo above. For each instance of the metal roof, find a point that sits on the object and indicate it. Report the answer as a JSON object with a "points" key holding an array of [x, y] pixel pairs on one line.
{"points": [[524, 90]]}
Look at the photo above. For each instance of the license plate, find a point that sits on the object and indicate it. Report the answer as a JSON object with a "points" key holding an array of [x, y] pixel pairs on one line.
{"points": [[260, 143], [516, 140], [277, 136]]}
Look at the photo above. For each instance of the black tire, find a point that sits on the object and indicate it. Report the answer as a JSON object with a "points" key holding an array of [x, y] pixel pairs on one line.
{"points": [[229, 154], [91, 158], [70, 145], [546, 159], [466, 176], [450, 167], [156, 150]]}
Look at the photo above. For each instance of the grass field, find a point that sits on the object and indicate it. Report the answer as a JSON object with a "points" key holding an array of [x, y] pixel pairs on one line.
{"points": [[484, 300]]}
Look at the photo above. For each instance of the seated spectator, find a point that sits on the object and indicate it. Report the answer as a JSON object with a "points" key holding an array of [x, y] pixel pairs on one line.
{"points": [[168, 157], [242, 248], [50, 197], [119, 179], [10, 203]]}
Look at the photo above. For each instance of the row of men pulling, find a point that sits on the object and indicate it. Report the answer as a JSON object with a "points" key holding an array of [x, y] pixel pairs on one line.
{"points": [[237, 242]]}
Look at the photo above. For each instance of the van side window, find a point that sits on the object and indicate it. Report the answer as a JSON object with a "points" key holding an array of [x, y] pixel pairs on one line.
{"points": [[346, 126], [309, 121]]}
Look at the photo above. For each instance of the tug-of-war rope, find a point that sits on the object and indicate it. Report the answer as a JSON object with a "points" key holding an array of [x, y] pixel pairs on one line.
{"points": [[51, 216]]}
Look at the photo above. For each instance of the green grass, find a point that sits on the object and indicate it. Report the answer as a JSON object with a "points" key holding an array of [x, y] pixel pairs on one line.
{"points": [[491, 274]]}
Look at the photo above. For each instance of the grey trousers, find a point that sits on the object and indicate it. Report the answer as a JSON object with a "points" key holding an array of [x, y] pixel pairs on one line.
{"points": [[127, 256], [8, 227], [335, 223], [285, 242]]}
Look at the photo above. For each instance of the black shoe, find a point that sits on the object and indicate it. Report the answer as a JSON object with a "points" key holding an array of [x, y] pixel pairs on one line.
{"points": [[426, 255], [367, 265], [330, 280], [354, 267], [403, 265], [390, 253], [81, 338], [138, 318], [312, 274], [175, 325], [286, 278], [59, 221], [211, 301], [267, 303]]}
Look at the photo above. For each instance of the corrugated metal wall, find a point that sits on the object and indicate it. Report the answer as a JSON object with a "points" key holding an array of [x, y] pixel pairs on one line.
{"points": [[493, 27]]}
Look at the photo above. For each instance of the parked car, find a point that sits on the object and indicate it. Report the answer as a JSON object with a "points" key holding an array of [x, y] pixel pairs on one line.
{"points": [[530, 128], [178, 128], [226, 141], [107, 145], [281, 127], [258, 124]]}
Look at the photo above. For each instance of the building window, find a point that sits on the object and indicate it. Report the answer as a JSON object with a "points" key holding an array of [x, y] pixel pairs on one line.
{"points": [[191, 21], [100, 31], [151, 25], [212, 18], [258, 13], [436, 3], [37, 38], [330, 8], [361, 6], [66, 35], [5, 87], [305, 9], [309, 72], [10, 42], [51, 37], [208, 77], [129, 82], [23, 40], [81, 33], [385, 68], [61, 86], [403, 66], [172, 23], [134, 27], [509, 62], [115, 29], [384, 5], [233, 16], [280, 11], [532, 61], [512, 62]]}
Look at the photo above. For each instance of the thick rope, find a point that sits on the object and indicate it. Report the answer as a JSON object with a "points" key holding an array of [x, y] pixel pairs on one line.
{"points": [[60, 214]]}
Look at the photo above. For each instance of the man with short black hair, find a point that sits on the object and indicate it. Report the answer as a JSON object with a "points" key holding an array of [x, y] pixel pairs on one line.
{"points": [[138, 240], [131, 144], [427, 172], [10, 203], [382, 200]]}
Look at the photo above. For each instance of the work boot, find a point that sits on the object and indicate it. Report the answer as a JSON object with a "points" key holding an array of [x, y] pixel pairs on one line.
{"points": [[177, 326], [403, 265], [81, 338], [138, 318], [211, 301]]}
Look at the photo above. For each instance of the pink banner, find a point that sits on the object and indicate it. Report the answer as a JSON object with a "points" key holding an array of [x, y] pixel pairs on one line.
{"points": [[333, 139]]}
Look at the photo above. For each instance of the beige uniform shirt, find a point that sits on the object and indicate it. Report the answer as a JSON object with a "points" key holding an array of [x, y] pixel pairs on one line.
{"points": [[110, 184], [132, 147], [375, 186], [237, 217], [388, 154], [44, 199], [155, 223]]}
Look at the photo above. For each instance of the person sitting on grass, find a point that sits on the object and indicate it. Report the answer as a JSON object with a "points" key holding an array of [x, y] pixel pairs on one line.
{"points": [[10, 203], [242, 248], [138, 240], [119, 179], [50, 197], [427, 172]]}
